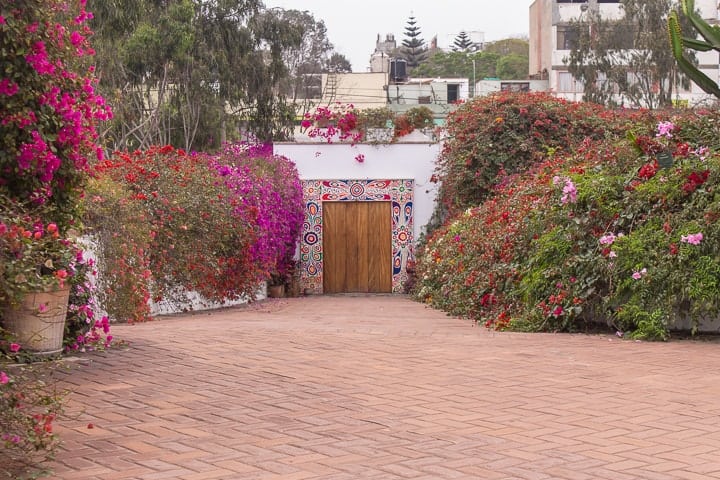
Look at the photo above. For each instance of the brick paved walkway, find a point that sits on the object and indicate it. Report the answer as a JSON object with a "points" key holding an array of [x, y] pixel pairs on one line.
{"points": [[355, 387]]}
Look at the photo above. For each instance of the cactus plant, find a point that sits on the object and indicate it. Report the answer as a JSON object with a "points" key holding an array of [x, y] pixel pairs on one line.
{"points": [[711, 41]]}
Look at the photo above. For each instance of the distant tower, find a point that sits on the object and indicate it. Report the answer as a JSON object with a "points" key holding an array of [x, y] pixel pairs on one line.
{"points": [[433, 48], [380, 59]]}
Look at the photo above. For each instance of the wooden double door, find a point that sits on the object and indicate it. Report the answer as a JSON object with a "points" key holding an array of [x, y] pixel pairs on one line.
{"points": [[357, 247]]}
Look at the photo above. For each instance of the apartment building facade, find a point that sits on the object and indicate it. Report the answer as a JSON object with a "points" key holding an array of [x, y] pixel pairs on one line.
{"points": [[550, 45]]}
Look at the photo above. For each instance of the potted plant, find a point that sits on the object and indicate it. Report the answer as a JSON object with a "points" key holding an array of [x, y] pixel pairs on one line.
{"points": [[276, 285], [36, 262], [416, 118]]}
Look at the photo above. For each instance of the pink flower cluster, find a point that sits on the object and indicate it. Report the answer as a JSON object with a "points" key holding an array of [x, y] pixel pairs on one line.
{"points": [[664, 129], [338, 121], [8, 87], [692, 239], [638, 274], [607, 239], [569, 191]]}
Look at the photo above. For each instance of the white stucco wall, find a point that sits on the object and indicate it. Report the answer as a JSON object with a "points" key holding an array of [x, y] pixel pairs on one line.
{"points": [[336, 161]]}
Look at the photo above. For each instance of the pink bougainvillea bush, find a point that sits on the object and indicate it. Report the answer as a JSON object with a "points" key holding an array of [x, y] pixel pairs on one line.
{"points": [[271, 186], [217, 225], [619, 232], [48, 102]]}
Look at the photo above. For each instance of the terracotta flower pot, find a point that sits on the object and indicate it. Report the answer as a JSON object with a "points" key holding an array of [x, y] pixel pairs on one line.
{"points": [[276, 291]]}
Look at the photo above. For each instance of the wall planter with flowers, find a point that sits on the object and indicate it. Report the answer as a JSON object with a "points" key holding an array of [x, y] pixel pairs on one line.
{"points": [[336, 122], [34, 285], [377, 124]]}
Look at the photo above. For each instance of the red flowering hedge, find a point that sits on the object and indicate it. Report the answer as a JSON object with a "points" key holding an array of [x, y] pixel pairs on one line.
{"points": [[168, 223], [604, 232]]}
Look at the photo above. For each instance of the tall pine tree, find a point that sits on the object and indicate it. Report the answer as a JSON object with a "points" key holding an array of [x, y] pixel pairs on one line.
{"points": [[463, 43], [413, 50]]}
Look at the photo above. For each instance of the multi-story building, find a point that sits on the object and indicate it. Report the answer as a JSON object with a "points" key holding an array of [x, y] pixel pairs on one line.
{"points": [[551, 40], [441, 95]]}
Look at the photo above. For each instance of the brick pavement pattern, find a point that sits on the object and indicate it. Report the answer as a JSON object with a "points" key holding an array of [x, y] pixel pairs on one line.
{"points": [[380, 387]]}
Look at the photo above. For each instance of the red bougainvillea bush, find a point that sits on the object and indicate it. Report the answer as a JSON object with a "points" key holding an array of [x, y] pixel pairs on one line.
{"points": [[506, 133], [168, 223], [619, 231]]}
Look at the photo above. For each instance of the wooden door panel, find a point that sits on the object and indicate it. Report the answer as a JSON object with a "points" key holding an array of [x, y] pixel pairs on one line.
{"points": [[333, 244], [357, 250], [380, 247], [361, 262]]}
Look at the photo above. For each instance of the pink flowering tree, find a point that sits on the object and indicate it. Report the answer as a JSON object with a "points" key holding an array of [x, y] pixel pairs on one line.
{"points": [[49, 108]]}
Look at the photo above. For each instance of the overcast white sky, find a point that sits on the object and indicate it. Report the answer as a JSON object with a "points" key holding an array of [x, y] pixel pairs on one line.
{"points": [[353, 26]]}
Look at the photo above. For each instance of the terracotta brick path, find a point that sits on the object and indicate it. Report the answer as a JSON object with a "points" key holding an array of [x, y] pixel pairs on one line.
{"points": [[379, 387]]}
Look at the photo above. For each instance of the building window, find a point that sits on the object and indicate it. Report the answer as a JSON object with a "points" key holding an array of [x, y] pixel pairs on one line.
{"points": [[453, 92], [567, 37], [514, 86], [567, 84]]}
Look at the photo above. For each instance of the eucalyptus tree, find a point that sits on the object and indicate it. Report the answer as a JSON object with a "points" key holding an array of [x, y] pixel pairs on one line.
{"points": [[312, 56], [185, 72]]}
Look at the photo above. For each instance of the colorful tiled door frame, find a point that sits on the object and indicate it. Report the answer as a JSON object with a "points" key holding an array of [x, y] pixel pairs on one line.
{"points": [[398, 192]]}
